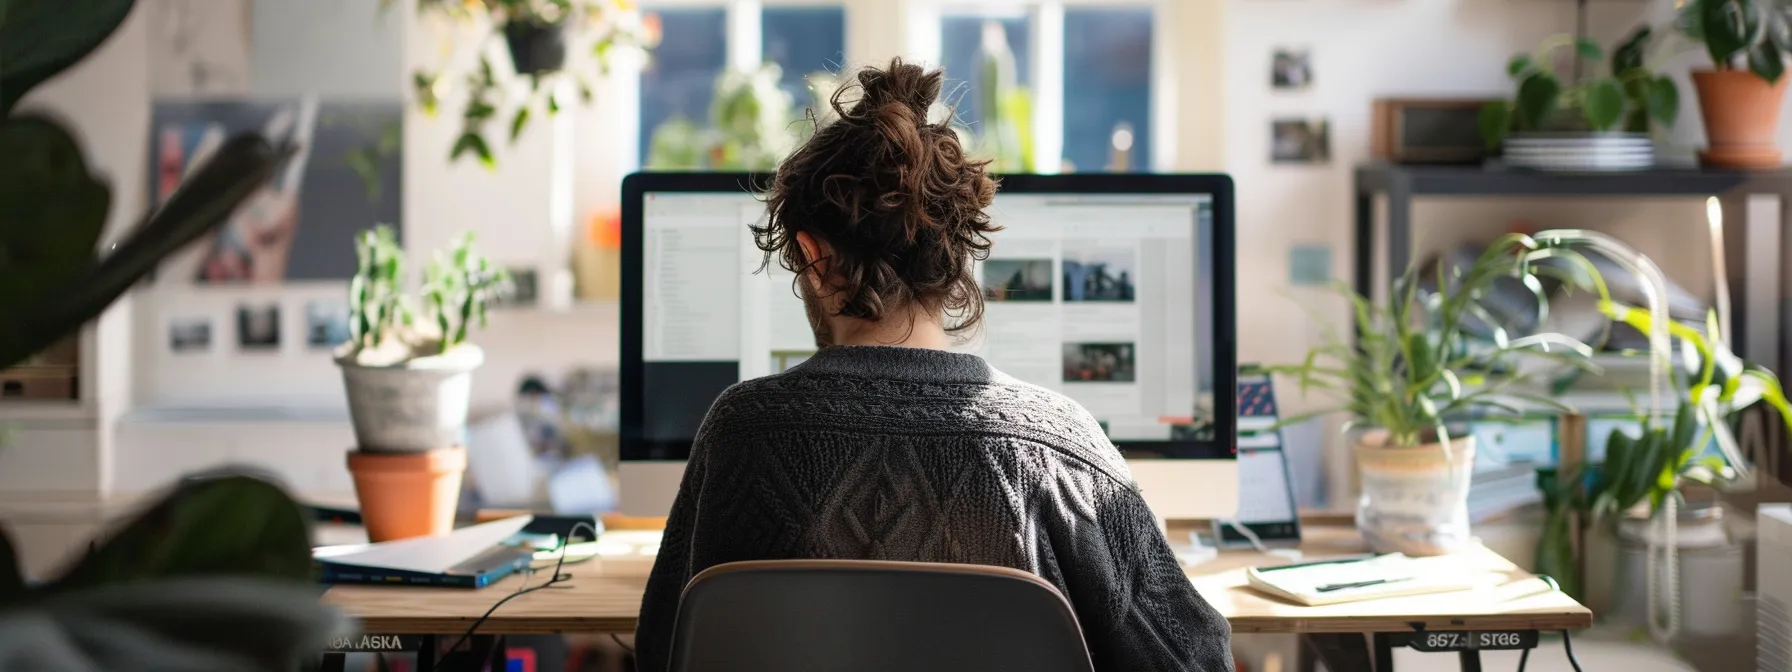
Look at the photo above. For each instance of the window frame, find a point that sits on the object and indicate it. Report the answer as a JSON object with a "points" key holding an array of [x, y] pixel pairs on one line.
{"points": [[911, 28]]}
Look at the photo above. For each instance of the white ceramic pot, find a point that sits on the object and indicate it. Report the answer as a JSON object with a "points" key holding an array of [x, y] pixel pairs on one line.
{"points": [[1414, 500], [412, 406]]}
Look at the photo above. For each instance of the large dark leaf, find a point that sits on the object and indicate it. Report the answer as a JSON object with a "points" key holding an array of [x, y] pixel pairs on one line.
{"points": [[51, 211], [1537, 96], [243, 165], [1767, 61], [12, 579], [1604, 104], [41, 38], [216, 526], [1725, 25], [1629, 54]]}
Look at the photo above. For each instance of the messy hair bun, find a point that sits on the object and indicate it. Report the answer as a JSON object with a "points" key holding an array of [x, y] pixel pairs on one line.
{"points": [[892, 195]]}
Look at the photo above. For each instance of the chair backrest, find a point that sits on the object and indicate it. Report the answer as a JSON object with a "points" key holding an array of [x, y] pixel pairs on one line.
{"points": [[874, 616]]}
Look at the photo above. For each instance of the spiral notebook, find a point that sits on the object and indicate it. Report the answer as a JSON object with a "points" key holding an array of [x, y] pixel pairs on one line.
{"points": [[1355, 579]]}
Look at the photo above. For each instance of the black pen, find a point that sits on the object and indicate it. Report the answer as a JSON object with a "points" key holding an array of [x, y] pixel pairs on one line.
{"points": [[1358, 584]]}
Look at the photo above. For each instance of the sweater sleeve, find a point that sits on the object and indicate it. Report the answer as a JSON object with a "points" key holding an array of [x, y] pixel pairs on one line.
{"points": [[671, 570], [1140, 611]]}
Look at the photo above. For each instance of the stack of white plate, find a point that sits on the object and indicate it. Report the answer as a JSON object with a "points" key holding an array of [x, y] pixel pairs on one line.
{"points": [[1580, 152]]}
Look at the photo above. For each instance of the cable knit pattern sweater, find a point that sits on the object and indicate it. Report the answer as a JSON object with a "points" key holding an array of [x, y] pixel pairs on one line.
{"points": [[888, 453]]}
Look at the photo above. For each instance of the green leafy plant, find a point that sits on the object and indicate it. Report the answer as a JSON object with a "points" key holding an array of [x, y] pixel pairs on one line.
{"points": [[1753, 34], [751, 127], [1005, 135], [1631, 97], [1648, 469], [606, 28], [230, 554], [1415, 364], [384, 325]]}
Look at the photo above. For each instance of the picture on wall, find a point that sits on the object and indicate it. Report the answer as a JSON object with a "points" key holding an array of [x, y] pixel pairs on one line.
{"points": [[326, 323], [344, 177], [1291, 69], [522, 291], [190, 334], [1300, 141], [258, 327], [1099, 363], [1095, 273], [1027, 280]]}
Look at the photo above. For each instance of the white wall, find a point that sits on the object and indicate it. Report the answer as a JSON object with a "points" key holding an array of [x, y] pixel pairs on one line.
{"points": [[340, 48]]}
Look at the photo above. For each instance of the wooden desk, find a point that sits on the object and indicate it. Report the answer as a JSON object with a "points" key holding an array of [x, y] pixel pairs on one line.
{"points": [[600, 602]]}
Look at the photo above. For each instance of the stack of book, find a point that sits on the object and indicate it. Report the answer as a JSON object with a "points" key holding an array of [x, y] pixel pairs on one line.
{"points": [[1497, 489]]}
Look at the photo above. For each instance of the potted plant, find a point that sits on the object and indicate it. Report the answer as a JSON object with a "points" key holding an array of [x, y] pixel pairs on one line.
{"points": [[540, 36], [1740, 96], [228, 556], [1580, 122], [1415, 368], [750, 127], [408, 370]]}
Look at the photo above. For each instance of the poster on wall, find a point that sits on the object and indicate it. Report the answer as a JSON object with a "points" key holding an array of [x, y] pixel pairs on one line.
{"points": [[301, 226]]}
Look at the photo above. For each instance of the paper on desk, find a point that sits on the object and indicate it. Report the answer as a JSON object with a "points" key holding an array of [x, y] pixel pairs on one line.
{"points": [[429, 555]]}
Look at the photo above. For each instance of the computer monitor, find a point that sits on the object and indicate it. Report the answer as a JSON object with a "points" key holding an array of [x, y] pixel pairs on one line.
{"points": [[1115, 290]]}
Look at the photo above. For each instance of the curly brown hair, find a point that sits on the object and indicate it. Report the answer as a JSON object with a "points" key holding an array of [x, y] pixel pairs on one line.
{"points": [[892, 195]]}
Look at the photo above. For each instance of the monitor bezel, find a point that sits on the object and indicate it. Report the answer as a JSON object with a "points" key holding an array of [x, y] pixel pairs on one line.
{"points": [[1223, 446]]}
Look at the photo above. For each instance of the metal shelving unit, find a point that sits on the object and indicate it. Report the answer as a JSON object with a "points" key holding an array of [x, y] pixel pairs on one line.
{"points": [[1758, 292]]}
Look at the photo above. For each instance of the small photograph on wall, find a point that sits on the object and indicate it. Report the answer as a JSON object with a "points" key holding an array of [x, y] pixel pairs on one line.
{"points": [[1300, 141], [344, 177], [258, 327], [190, 335], [1291, 69], [523, 290], [326, 323], [1024, 280]]}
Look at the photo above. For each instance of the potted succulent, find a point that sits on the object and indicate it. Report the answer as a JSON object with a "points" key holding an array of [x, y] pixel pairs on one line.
{"points": [[1415, 367], [539, 35], [1577, 121], [1740, 97], [408, 370]]}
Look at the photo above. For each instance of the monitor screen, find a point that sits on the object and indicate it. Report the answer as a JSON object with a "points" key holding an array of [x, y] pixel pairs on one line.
{"points": [[1106, 298]]}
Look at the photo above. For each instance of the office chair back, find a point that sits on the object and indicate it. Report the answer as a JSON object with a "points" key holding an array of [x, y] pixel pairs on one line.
{"points": [[874, 616]]}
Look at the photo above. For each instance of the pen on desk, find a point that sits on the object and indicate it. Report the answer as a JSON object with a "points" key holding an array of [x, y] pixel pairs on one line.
{"points": [[1356, 584]]}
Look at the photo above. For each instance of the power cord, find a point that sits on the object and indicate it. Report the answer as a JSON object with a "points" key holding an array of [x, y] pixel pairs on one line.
{"points": [[1568, 646], [1292, 554], [552, 582]]}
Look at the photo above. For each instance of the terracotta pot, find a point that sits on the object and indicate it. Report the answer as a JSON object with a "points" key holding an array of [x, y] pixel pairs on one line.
{"points": [[1742, 116], [1414, 499], [406, 495]]}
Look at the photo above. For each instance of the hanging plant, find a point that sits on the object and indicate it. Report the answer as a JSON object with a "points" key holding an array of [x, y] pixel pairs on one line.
{"points": [[539, 36]]}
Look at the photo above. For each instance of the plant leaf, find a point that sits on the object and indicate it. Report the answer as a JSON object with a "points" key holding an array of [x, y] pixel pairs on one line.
{"points": [[41, 38], [1663, 100], [1603, 104], [1496, 119], [1767, 61], [1587, 48], [1519, 65], [519, 122], [1537, 96]]}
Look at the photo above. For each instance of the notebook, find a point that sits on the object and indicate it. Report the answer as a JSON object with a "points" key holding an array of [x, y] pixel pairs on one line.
{"points": [[470, 557], [1361, 578]]}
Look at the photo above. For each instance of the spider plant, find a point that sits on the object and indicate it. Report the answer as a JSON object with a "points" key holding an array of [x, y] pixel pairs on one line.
{"points": [[1435, 354]]}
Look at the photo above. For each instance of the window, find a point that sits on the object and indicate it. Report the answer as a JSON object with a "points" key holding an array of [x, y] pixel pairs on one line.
{"points": [[1085, 68], [1107, 87], [681, 74], [696, 48], [961, 49], [803, 41]]}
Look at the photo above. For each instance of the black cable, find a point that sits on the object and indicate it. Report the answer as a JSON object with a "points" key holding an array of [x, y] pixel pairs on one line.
{"points": [[557, 578], [1568, 645], [1523, 657], [625, 648]]}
